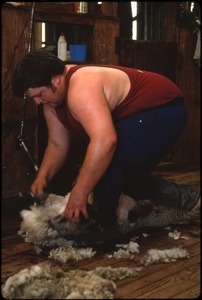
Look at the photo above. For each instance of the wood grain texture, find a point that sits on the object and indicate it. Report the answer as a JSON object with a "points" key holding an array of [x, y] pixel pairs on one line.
{"points": [[177, 280]]}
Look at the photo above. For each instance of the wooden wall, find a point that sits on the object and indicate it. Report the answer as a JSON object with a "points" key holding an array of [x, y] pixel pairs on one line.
{"points": [[188, 79], [17, 171], [105, 32]]}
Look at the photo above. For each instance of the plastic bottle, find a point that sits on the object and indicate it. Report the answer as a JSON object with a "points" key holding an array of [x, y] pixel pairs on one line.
{"points": [[62, 47]]}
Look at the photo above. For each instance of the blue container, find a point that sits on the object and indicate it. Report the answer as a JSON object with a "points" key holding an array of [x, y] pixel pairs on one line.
{"points": [[78, 52]]}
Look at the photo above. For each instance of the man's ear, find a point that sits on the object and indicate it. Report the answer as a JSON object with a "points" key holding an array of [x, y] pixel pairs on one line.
{"points": [[56, 80]]}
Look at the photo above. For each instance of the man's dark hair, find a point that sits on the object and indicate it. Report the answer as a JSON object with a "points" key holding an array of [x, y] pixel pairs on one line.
{"points": [[36, 69]]}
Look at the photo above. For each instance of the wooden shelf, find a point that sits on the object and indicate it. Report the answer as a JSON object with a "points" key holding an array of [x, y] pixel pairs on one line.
{"points": [[64, 13]]}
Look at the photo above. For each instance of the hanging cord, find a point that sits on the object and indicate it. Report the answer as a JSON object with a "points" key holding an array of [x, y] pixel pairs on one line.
{"points": [[21, 139], [31, 27]]}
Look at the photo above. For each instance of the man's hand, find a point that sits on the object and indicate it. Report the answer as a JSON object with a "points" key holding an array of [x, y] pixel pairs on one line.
{"points": [[77, 204], [39, 186]]}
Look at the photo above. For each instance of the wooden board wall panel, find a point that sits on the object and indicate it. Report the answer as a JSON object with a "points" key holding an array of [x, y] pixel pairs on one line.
{"points": [[170, 17], [154, 56], [105, 33], [187, 148], [17, 170], [109, 8], [188, 79]]}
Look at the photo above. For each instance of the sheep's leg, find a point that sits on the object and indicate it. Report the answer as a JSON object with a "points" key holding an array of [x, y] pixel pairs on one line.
{"points": [[160, 218]]}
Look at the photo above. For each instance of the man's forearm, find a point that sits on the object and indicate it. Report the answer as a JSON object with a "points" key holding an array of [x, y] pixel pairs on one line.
{"points": [[98, 158], [53, 160]]}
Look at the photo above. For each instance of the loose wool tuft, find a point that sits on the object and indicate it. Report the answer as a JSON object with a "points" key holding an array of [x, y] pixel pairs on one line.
{"points": [[126, 251], [164, 256], [63, 254]]}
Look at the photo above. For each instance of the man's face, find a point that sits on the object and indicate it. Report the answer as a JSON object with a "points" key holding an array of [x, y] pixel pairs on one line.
{"points": [[53, 94], [50, 95]]}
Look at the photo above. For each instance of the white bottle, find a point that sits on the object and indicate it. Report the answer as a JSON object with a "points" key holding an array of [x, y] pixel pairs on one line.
{"points": [[62, 47]]}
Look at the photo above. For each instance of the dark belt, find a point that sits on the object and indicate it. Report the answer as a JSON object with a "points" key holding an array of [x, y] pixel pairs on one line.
{"points": [[178, 101]]}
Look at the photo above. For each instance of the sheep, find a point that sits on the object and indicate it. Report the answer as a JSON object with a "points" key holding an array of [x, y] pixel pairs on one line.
{"points": [[45, 225]]}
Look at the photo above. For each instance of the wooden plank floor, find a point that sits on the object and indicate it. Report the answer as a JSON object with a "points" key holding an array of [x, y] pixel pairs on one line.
{"points": [[178, 280]]}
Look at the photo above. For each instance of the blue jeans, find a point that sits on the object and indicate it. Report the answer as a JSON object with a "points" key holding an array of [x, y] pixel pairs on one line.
{"points": [[142, 141]]}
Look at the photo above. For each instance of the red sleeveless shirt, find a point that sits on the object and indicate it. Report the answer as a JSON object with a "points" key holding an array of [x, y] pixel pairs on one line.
{"points": [[147, 90]]}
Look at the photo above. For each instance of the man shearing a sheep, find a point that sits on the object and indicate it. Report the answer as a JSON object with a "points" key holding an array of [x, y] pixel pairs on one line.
{"points": [[129, 118]]}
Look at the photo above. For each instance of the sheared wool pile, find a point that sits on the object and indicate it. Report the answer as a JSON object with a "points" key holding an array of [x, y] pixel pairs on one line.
{"points": [[43, 282], [164, 256], [64, 254]]}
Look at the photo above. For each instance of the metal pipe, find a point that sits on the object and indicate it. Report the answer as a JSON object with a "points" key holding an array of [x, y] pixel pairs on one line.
{"points": [[23, 119]]}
